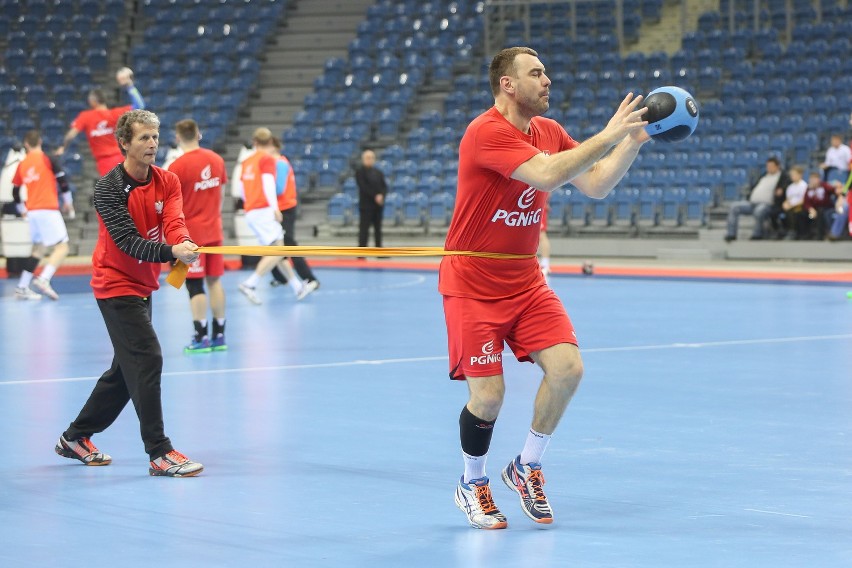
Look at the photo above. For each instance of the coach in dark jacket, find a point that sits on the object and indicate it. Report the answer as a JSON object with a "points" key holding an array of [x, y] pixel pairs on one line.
{"points": [[372, 189]]}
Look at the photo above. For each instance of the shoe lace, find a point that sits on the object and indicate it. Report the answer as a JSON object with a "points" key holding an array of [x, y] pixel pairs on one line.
{"points": [[536, 481], [486, 501], [177, 457]]}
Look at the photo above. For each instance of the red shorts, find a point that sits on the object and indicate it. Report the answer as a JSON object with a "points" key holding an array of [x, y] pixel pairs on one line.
{"points": [[208, 264], [476, 329]]}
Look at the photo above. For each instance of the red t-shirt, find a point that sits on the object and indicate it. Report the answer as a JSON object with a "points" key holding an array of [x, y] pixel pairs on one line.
{"points": [[36, 172], [156, 211], [202, 174], [495, 213], [254, 167], [99, 127]]}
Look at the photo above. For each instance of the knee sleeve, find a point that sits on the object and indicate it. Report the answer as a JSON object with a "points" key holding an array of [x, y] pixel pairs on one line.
{"points": [[475, 433], [195, 286]]}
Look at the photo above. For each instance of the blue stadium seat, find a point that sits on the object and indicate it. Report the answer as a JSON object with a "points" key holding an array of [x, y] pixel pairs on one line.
{"points": [[441, 208], [341, 209], [414, 209]]}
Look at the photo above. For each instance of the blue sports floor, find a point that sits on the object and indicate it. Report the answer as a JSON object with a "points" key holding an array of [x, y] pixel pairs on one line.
{"points": [[713, 429]]}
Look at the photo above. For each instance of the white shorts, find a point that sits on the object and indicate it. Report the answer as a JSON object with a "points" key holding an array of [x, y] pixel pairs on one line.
{"points": [[264, 226], [47, 227]]}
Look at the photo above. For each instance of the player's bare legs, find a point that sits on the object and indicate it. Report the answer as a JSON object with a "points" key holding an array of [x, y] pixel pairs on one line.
{"points": [[563, 370]]}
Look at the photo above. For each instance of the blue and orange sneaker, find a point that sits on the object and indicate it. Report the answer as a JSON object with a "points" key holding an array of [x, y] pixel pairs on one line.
{"points": [[474, 499], [527, 481], [81, 449], [218, 343], [198, 345]]}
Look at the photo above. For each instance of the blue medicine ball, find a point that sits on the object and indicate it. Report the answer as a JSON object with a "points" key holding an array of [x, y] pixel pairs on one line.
{"points": [[672, 114]]}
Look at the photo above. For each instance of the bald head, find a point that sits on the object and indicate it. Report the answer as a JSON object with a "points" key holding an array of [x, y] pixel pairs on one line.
{"points": [[368, 158]]}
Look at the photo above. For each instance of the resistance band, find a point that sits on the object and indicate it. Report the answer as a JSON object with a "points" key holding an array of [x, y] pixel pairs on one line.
{"points": [[177, 276]]}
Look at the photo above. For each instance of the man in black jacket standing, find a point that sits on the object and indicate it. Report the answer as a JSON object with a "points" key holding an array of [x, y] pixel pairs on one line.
{"points": [[372, 189]]}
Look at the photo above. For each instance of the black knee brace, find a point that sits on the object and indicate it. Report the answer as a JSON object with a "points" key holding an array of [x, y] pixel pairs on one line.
{"points": [[475, 433], [194, 286]]}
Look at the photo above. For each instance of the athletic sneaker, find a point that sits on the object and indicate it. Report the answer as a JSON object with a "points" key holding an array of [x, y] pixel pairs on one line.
{"points": [[175, 464], [81, 449], [218, 343], [26, 294], [475, 501], [250, 293], [307, 288], [198, 346], [44, 287], [527, 481]]}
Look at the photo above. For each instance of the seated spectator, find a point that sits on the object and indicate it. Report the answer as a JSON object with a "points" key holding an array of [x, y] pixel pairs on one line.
{"points": [[760, 201], [817, 208], [840, 215], [793, 205], [837, 158]]}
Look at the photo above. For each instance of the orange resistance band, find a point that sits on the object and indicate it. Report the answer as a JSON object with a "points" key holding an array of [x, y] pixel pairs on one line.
{"points": [[177, 276]]}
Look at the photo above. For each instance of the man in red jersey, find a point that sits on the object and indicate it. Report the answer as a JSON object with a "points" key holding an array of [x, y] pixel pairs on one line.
{"points": [[140, 226], [202, 177], [263, 217], [510, 158], [41, 175], [99, 121]]}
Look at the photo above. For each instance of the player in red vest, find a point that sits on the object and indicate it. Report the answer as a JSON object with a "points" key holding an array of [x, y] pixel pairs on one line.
{"points": [[41, 175], [510, 158]]}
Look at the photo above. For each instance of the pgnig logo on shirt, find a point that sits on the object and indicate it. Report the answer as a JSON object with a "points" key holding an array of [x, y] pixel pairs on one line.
{"points": [[488, 355], [521, 218], [207, 181]]}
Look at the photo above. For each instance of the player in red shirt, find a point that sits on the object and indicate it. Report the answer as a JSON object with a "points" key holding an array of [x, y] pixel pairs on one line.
{"points": [[202, 177], [509, 159], [41, 175], [139, 209], [98, 123]]}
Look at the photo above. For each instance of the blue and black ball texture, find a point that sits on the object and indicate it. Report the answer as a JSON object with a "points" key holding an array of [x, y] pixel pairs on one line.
{"points": [[672, 114]]}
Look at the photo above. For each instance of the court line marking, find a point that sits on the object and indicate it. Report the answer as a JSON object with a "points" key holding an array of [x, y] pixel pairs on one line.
{"points": [[778, 513], [357, 362]]}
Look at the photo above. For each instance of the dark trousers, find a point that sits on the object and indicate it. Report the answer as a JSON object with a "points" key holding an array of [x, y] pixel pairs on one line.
{"points": [[288, 223], [371, 215], [134, 375], [299, 264]]}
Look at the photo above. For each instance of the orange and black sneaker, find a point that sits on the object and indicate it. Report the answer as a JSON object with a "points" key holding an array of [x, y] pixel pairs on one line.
{"points": [[175, 464], [81, 449], [527, 481], [474, 499]]}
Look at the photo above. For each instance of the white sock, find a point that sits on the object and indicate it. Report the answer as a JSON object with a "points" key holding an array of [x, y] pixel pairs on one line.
{"points": [[534, 447], [220, 321], [48, 272], [474, 467], [26, 278], [252, 280], [295, 284]]}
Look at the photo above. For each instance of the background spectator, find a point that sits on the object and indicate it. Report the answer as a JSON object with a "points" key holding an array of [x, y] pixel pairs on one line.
{"points": [[837, 158], [760, 201]]}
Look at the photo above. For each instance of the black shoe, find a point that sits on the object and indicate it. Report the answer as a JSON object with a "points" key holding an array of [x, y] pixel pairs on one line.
{"points": [[755, 238], [729, 238]]}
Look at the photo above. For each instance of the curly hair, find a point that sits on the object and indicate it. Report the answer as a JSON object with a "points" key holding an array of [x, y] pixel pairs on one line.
{"points": [[124, 126]]}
